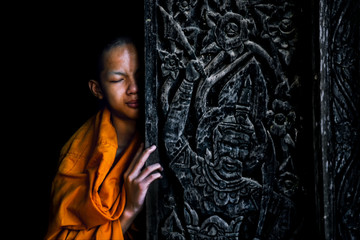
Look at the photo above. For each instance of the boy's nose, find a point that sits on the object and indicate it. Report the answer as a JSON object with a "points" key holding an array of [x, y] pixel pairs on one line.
{"points": [[132, 88]]}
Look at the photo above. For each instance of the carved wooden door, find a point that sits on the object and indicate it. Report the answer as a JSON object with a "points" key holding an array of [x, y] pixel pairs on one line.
{"points": [[229, 93]]}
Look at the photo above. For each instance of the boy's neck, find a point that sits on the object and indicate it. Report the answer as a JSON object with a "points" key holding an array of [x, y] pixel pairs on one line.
{"points": [[125, 130]]}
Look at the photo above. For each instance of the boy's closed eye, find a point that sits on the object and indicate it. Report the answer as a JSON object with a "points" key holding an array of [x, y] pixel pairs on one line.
{"points": [[116, 81]]}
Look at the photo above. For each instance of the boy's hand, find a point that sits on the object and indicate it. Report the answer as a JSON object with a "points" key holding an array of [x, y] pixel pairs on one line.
{"points": [[137, 181]]}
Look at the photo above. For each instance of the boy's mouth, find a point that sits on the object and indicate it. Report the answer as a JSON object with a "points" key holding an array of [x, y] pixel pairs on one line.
{"points": [[133, 104]]}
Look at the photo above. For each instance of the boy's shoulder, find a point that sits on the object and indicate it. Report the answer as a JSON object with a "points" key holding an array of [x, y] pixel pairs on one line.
{"points": [[80, 142]]}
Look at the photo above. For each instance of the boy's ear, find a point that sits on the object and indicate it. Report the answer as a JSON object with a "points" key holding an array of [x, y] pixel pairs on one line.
{"points": [[95, 89]]}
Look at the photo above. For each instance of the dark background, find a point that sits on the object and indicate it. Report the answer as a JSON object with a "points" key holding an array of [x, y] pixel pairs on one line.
{"points": [[49, 51]]}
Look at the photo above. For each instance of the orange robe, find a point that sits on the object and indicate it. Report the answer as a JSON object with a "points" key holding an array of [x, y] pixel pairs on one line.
{"points": [[87, 193]]}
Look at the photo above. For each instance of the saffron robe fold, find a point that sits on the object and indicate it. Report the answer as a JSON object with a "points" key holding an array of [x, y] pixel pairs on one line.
{"points": [[87, 193]]}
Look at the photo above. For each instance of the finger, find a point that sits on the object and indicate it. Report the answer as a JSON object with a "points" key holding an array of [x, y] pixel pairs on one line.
{"points": [[149, 170], [145, 155], [148, 180], [141, 162], [135, 159]]}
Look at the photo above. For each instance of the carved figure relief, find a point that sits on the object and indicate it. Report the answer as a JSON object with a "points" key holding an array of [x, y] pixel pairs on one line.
{"points": [[229, 126]]}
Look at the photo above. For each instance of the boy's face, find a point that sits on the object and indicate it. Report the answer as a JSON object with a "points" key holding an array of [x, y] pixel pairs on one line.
{"points": [[119, 81]]}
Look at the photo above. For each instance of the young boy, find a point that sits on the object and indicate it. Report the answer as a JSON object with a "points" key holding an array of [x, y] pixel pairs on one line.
{"points": [[101, 183]]}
